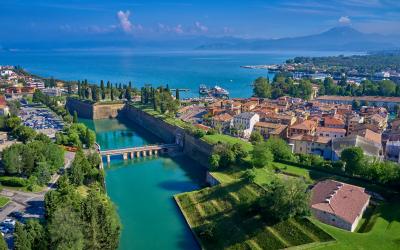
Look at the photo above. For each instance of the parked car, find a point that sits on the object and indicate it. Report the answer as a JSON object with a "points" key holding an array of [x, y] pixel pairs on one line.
{"points": [[8, 222]]}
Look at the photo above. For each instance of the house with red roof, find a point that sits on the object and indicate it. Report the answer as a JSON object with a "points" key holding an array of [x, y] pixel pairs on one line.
{"points": [[338, 204]]}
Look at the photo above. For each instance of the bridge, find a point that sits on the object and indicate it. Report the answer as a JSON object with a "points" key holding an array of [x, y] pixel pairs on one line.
{"points": [[137, 152]]}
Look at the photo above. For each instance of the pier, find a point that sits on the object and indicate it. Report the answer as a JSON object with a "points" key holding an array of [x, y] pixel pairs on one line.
{"points": [[137, 152]]}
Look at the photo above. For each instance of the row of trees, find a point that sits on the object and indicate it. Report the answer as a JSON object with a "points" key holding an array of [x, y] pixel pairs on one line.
{"points": [[160, 99], [285, 85], [110, 92], [366, 64], [282, 86]]}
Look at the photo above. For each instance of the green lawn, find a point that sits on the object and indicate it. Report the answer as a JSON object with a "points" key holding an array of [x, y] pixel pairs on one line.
{"points": [[221, 218], [385, 232], [4, 201], [214, 139]]}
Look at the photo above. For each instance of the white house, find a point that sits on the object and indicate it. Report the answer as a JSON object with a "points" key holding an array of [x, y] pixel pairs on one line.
{"points": [[245, 122]]}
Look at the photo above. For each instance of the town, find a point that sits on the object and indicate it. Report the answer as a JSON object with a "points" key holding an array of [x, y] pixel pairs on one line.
{"points": [[324, 132]]}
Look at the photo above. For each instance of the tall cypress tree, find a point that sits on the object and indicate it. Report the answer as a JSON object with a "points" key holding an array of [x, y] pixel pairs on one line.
{"points": [[79, 89], [177, 94]]}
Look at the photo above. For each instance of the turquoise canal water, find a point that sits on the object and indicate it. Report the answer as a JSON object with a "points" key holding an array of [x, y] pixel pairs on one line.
{"points": [[143, 189]]}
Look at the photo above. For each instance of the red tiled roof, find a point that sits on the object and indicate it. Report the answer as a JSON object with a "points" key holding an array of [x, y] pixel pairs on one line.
{"points": [[333, 121], [223, 117], [344, 200], [305, 125], [333, 130]]}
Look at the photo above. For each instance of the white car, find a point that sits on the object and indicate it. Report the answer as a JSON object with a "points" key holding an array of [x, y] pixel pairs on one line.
{"points": [[10, 222]]}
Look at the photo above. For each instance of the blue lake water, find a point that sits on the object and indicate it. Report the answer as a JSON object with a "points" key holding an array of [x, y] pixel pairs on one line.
{"points": [[182, 69]]}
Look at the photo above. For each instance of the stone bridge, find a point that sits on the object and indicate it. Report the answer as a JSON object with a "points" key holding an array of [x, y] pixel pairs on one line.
{"points": [[137, 152]]}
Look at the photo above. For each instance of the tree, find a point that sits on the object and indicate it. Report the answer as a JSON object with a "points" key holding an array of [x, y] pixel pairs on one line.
{"points": [[280, 149], [112, 93], [262, 88], [256, 137], [214, 161], [13, 122], [75, 117], [356, 105], [353, 157], [261, 155], [177, 94], [3, 243], [90, 137], [24, 133], [42, 173], [102, 90], [65, 229], [21, 238], [286, 199]]}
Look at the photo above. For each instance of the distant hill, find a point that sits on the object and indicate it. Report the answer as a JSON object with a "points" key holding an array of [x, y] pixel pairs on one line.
{"points": [[338, 38]]}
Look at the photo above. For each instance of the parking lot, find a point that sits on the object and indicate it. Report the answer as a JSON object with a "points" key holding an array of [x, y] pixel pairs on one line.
{"points": [[42, 120]]}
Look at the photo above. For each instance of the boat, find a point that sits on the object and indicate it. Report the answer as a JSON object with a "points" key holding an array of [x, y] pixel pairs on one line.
{"points": [[217, 91], [203, 90]]}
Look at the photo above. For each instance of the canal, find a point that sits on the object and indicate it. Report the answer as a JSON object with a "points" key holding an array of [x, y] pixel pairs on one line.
{"points": [[143, 189]]}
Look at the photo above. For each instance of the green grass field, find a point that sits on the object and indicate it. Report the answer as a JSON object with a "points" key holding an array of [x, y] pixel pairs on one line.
{"points": [[221, 219], [214, 139], [4, 201]]}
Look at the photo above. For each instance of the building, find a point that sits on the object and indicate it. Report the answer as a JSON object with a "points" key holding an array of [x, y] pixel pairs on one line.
{"points": [[249, 106], [52, 91], [308, 144], [370, 148], [331, 132], [267, 129], [338, 204], [333, 122], [307, 127], [4, 110], [286, 119], [36, 84], [245, 122], [378, 101], [222, 121], [392, 151]]}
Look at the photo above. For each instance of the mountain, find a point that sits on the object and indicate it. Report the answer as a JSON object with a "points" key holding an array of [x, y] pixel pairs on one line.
{"points": [[339, 38]]}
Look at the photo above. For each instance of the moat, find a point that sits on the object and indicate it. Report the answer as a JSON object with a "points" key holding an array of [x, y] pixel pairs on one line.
{"points": [[143, 189]]}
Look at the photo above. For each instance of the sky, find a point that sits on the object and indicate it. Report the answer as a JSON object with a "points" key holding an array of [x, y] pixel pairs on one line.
{"points": [[60, 20]]}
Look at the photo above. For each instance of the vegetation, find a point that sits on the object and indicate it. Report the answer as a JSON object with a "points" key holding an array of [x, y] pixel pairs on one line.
{"points": [[94, 93], [77, 135], [160, 99], [4, 201], [36, 160], [364, 64], [232, 216]]}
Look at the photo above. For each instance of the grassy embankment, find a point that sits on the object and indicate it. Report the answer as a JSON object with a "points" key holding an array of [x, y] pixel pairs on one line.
{"points": [[380, 228]]}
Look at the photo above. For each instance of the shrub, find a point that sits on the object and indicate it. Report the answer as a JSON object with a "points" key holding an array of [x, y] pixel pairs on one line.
{"points": [[13, 181]]}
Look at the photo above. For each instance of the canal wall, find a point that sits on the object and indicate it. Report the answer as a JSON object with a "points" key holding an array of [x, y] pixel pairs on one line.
{"points": [[193, 147], [96, 111]]}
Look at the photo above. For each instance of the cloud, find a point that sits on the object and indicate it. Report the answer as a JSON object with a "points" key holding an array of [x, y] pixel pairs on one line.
{"points": [[200, 27], [178, 29], [124, 21], [344, 20]]}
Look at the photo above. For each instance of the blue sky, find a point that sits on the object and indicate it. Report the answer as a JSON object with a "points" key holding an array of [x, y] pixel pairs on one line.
{"points": [[50, 20]]}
